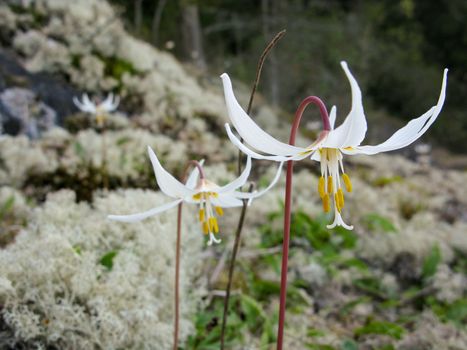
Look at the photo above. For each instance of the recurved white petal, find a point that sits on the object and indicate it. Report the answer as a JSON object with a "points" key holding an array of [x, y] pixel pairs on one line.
{"points": [[409, 133], [110, 104], [192, 180], [89, 108], [87, 100], [352, 131], [332, 117], [239, 181], [167, 183], [226, 200], [249, 130], [234, 139], [256, 194], [144, 215]]}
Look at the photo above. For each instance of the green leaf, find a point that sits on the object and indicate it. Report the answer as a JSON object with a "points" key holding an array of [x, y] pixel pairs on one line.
{"points": [[253, 310], [314, 333], [431, 262], [376, 222], [457, 312], [370, 285], [7, 207], [355, 262], [79, 150], [381, 327], [77, 249], [108, 259], [315, 346], [383, 181], [349, 345]]}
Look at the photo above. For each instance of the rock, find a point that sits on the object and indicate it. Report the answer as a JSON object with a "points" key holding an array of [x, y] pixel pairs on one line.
{"points": [[52, 95], [22, 113]]}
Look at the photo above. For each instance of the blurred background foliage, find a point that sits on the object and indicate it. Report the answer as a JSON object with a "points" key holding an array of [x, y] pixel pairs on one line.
{"points": [[396, 48]]}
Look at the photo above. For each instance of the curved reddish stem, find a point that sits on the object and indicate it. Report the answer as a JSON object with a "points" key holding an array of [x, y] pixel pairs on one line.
{"points": [[196, 164], [287, 211], [177, 254]]}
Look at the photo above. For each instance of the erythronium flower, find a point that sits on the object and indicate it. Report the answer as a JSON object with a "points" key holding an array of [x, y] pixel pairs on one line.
{"points": [[100, 110], [198, 190], [331, 144]]}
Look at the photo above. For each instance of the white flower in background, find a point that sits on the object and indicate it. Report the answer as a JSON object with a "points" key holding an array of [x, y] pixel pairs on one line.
{"points": [[100, 110], [331, 144], [198, 190]]}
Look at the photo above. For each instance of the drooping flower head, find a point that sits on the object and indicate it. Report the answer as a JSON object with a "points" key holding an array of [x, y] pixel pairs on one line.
{"points": [[100, 110], [331, 144], [210, 197]]}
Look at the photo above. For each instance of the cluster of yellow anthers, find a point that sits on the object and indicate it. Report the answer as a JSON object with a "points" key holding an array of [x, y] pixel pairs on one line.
{"points": [[329, 185], [206, 213]]}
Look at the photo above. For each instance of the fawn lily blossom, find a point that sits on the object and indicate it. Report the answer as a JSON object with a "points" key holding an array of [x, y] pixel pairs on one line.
{"points": [[331, 144], [100, 110], [198, 190]]}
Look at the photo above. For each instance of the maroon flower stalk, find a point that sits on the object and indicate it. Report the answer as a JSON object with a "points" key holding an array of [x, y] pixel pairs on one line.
{"points": [[288, 198], [177, 255]]}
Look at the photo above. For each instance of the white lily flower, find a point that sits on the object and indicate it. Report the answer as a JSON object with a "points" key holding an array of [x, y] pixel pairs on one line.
{"points": [[331, 145], [100, 110], [210, 197]]}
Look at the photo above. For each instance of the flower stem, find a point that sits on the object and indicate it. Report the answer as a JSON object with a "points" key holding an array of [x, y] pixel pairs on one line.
{"points": [[288, 204], [241, 220], [177, 255], [105, 175], [259, 69], [177, 276]]}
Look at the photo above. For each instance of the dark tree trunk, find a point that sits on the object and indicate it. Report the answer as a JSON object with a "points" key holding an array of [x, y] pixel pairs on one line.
{"points": [[138, 20], [156, 21], [192, 43]]}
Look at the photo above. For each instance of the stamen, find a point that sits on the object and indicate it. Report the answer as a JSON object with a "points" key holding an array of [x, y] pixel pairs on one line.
{"points": [[348, 184], [336, 203], [326, 203], [205, 228], [201, 215], [340, 197], [214, 194], [219, 211], [330, 184], [213, 225], [321, 187], [197, 196], [213, 239]]}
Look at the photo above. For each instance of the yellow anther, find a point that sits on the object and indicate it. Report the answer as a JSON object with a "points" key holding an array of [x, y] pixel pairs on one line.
{"points": [[321, 190], [213, 225], [326, 203], [205, 228], [197, 196], [348, 184], [219, 211], [340, 197], [336, 203], [201, 215], [330, 184], [214, 194]]}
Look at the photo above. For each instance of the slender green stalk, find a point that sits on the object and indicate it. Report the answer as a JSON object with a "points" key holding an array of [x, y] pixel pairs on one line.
{"points": [[241, 220]]}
